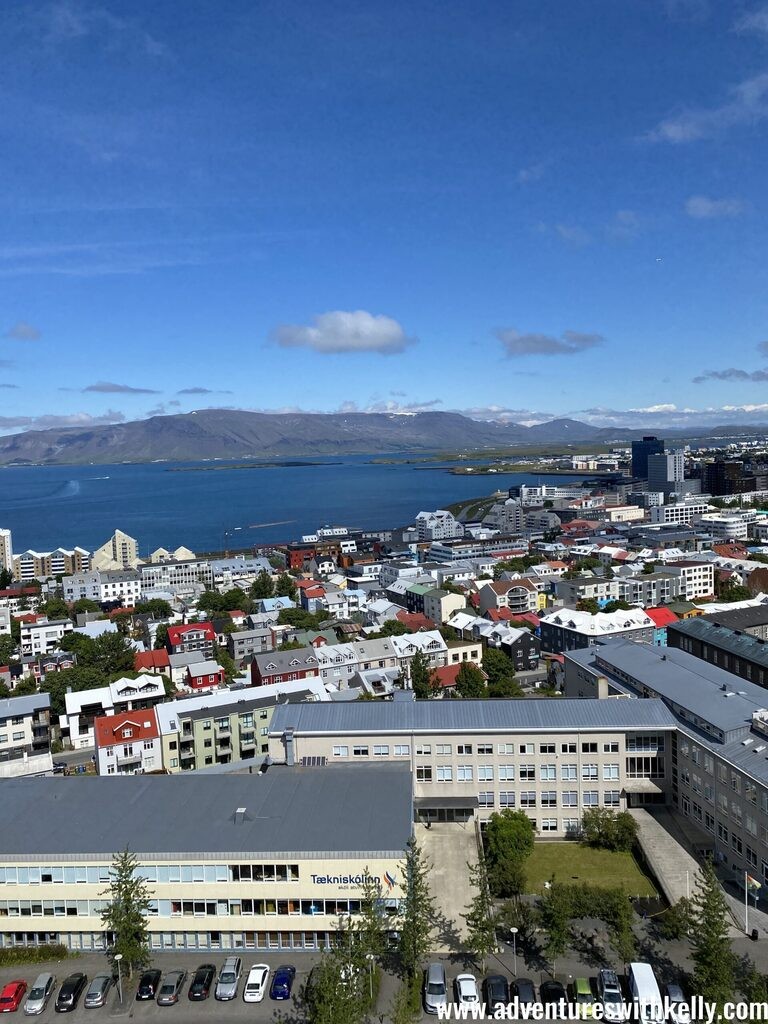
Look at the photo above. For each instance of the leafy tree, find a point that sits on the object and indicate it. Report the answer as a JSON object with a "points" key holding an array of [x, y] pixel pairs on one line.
{"points": [[126, 913], [393, 627], [714, 967], [406, 1005], [4, 691], [617, 606], [161, 636], [470, 682], [649, 567], [497, 666], [369, 926], [55, 608], [604, 828], [156, 607], [262, 586], [85, 604], [505, 688], [227, 662], [300, 619], [285, 586], [555, 911], [113, 654], [509, 841], [25, 687], [730, 591], [675, 922], [7, 649], [588, 604], [481, 917], [422, 677], [333, 992], [81, 645], [6, 579], [418, 910]]}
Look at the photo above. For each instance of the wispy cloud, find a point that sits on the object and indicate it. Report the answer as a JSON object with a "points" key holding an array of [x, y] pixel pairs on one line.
{"points": [[569, 343], [65, 22], [49, 420], [746, 105], [345, 332], [104, 258], [202, 391], [624, 225], [23, 331], [528, 174], [9, 386], [573, 234], [104, 387], [705, 208], [753, 22], [732, 373]]}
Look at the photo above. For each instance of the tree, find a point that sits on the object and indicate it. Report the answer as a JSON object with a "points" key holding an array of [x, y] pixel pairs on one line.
{"points": [[509, 841], [470, 682], [605, 829], [422, 677], [588, 604], [300, 619], [497, 666], [6, 579], [4, 691], [161, 636], [555, 911], [126, 913], [369, 926], [156, 607], [393, 627], [417, 910], [617, 606], [7, 649], [113, 654], [79, 677], [262, 586], [731, 591], [505, 689], [25, 687], [714, 966], [55, 608], [285, 586], [334, 990], [85, 604], [480, 917]]}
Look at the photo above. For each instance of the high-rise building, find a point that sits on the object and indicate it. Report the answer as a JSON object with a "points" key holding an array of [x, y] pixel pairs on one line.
{"points": [[649, 445], [726, 476], [666, 473], [6, 550]]}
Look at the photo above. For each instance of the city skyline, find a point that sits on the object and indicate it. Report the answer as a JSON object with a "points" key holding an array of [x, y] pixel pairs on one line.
{"points": [[519, 211]]}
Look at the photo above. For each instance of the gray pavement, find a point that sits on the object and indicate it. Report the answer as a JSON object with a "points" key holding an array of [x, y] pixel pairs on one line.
{"points": [[448, 848]]}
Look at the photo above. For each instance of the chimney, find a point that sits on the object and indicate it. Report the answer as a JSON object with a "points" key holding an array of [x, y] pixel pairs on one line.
{"points": [[239, 815], [290, 756]]}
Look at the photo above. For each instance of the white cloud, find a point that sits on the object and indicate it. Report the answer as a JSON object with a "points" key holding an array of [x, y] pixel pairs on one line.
{"points": [[624, 225], [754, 21], [573, 234], [747, 105], [704, 208], [518, 343], [23, 331], [67, 21], [48, 420], [345, 332]]}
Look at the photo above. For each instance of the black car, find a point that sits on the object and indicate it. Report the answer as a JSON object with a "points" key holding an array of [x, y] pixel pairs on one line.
{"points": [[202, 979], [149, 984], [70, 992], [523, 990], [495, 991], [553, 992]]}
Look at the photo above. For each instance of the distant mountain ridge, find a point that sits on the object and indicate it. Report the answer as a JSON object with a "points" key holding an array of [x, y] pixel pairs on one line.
{"points": [[235, 434]]}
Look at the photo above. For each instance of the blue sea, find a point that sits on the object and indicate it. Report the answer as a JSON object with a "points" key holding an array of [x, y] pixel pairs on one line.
{"points": [[210, 510]]}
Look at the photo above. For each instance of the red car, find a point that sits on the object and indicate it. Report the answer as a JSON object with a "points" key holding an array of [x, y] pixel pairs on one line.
{"points": [[11, 996]]}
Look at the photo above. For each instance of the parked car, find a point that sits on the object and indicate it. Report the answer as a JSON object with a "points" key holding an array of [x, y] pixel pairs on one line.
{"points": [[170, 988], [435, 988], [554, 993], [11, 996], [98, 991], [523, 990], [282, 982], [202, 979], [609, 991], [674, 996], [149, 984], [39, 994], [465, 989], [583, 997], [229, 978], [495, 991], [70, 992], [256, 983]]}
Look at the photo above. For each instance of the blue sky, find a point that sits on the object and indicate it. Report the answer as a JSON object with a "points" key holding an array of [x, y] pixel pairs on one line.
{"points": [[515, 209]]}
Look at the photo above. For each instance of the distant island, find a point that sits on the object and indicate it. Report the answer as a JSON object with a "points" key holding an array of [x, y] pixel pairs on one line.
{"points": [[247, 465]]}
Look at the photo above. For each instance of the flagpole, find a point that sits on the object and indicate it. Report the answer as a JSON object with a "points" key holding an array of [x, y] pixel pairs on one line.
{"points": [[746, 903]]}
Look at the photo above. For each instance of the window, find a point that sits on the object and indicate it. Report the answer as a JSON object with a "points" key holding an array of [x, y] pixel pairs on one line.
{"points": [[402, 750], [611, 798], [570, 798], [709, 764], [423, 748], [589, 772], [549, 798], [527, 773], [18, 736], [360, 751], [464, 748], [568, 772], [485, 799], [549, 824], [506, 773], [423, 773], [506, 799], [381, 750], [567, 748], [610, 772], [342, 751], [590, 798], [485, 748], [546, 748], [527, 748], [443, 749], [464, 773], [485, 773], [645, 767], [174, 762], [527, 799], [589, 748], [445, 773], [611, 748], [506, 748]]}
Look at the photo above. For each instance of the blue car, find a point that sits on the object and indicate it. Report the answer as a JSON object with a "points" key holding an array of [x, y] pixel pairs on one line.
{"points": [[282, 982]]}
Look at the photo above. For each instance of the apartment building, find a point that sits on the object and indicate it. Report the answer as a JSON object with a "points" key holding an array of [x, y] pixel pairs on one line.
{"points": [[284, 888], [187, 576], [25, 736], [104, 586], [17, 599], [552, 759], [6, 550], [568, 629], [225, 726], [587, 588], [719, 750], [438, 525], [195, 636], [752, 619], [681, 513], [744, 655], [84, 707], [41, 565], [128, 743], [42, 637], [697, 579], [440, 605], [119, 552], [647, 589], [520, 596], [247, 642]]}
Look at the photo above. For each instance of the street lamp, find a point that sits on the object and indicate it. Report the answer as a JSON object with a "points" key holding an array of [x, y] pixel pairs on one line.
{"points": [[118, 957], [514, 950]]}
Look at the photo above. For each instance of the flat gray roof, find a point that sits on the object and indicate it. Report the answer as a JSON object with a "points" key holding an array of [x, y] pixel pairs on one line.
{"points": [[12, 707], [465, 716], [302, 812], [241, 706], [711, 632]]}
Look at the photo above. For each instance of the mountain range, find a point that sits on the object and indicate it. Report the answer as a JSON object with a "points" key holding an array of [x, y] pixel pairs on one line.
{"points": [[236, 434]]}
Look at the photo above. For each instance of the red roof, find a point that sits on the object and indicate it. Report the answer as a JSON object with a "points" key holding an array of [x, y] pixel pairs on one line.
{"points": [[498, 615], [530, 617], [415, 621], [122, 611], [176, 634], [28, 618], [661, 616], [151, 660], [108, 729], [237, 615], [730, 550], [314, 591], [304, 584], [19, 592], [446, 675]]}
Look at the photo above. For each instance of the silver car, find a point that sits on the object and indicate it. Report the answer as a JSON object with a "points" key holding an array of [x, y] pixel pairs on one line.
{"points": [[229, 978], [39, 994], [171, 987], [98, 991]]}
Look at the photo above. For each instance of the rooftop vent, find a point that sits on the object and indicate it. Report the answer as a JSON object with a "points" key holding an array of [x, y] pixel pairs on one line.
{"points": [[239, 815]]}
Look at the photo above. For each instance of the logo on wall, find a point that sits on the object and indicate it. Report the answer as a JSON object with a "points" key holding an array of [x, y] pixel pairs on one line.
{"points": [[390, 880]]}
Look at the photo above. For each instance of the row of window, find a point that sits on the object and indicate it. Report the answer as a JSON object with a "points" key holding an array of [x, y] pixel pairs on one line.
{"points": [[528, 798], [636, 744], [524, 772], [190, 908], [160, 873], [16, 737]]}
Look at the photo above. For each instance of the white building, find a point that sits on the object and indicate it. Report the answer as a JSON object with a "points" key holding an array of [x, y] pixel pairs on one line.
{"points": [[728, 526], [83, 707], [6, 550], [438, 525], [119, 552], [679, 513], [128, 743], [697, 579], [103, 586], [25, 736], [42, 637]]}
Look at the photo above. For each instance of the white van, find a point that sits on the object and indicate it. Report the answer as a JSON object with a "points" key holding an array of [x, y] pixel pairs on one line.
{"points": [[644, 993]]}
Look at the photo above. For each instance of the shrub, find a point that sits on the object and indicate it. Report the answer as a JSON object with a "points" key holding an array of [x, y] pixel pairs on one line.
{"points": [[13, 955]]}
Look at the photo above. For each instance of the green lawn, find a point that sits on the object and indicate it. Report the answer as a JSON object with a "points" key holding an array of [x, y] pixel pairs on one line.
{"points": [[571, 862]]}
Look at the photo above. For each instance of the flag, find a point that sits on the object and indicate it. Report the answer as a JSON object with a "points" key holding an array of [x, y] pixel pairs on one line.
{"points": [[752, 883]]}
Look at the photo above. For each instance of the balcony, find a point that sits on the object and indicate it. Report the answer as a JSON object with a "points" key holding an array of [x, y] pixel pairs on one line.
{"points": [[247, 741], [129, 759], [188, 754]]}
